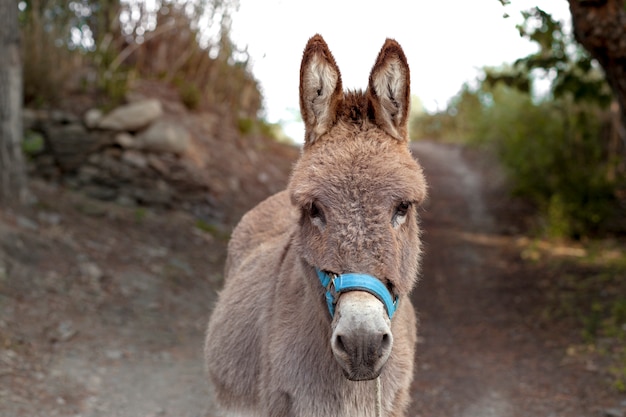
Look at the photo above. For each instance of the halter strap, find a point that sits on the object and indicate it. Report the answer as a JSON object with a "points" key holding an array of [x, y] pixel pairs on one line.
{"points": [[336, 284]]}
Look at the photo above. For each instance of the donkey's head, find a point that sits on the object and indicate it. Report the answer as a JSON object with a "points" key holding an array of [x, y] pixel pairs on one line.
{"points": [[357, 188]]}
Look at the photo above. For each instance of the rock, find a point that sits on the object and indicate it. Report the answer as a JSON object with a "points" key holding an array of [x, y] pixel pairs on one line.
{"points": [[92, 117], [87, 173], [233, 184], [165, 136], [135, 159], [63, 117], [30, 119], [126, 201], [65, 331], [263, 177], [114, 354], [26, 223], [70, 144], [91, 271], [125, 140], [100, 192], [46, 166], [50, 218], [158, 165], [112, 153], [160, 194], [613, 412], [112, 170], [132, 117]]}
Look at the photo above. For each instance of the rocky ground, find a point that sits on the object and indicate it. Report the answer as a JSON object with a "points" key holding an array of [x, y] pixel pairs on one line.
{"points": [[103, 306]]}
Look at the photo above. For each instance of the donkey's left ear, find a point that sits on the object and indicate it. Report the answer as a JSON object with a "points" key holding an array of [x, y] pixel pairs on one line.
{"points": [[389, 90]]}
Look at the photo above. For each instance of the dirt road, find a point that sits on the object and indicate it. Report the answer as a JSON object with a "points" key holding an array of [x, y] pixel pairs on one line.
{"points": [[482, 352], [103, 310]]}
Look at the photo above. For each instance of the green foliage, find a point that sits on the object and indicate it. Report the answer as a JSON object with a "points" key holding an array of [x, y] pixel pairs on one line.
{"points": [[552, 151], [554, 156], [272, 130], [114, 86], [453, 124], [572, 71], [439, 126], [254, 126], [190, 94], [213, 230], [140, 214], [558, 221], [245, 125], [103, 46], [33, 143], [555, 148]]}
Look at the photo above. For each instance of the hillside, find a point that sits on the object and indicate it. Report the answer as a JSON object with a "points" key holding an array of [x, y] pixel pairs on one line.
{"points": [[103, 301]]}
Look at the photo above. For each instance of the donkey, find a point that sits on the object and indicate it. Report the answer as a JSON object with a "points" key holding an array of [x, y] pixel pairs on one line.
{"points": [[315, 318]]}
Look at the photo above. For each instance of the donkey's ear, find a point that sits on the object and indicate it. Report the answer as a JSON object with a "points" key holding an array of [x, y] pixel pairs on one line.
{"points": [[389, 89], [320, 89]]}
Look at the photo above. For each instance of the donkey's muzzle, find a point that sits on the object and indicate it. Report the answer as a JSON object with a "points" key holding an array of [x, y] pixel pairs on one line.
{"points": [[361, 341]]}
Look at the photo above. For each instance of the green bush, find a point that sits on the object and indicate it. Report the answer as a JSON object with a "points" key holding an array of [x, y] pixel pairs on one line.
{"points": [[451, 125], [552, 151], [190, 94], [557, 148], [110, 53], [33, 143]]}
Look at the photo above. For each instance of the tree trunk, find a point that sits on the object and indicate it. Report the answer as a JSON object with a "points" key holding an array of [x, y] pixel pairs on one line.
{"points": [[12, 172], [600, 26]]}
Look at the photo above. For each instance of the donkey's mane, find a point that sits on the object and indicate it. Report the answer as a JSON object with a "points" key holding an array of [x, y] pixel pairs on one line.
{"points": [[355, 108]]}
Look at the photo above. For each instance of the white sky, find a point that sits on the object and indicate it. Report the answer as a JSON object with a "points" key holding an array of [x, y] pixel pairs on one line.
{"points": [[446, 42]]}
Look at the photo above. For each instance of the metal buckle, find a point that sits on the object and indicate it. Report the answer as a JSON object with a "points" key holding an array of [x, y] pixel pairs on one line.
{"points": [[330, 288]]}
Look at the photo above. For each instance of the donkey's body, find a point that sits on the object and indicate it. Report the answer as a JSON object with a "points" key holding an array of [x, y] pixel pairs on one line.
{"points": [[272, 347]]}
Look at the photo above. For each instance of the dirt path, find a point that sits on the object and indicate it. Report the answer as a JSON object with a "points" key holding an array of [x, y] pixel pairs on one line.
{"points": [[103, 310], [482, 353]]}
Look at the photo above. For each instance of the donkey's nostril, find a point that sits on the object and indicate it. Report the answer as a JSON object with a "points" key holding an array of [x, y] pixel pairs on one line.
{"points": [[385, 342], [339, 345], [362, 346]]}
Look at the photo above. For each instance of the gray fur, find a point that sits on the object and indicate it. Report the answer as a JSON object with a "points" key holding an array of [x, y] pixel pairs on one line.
{"points": [[268, 344]]}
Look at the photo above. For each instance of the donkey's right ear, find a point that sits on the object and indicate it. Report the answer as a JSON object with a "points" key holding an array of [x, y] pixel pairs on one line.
{"points": [[320, 89]]}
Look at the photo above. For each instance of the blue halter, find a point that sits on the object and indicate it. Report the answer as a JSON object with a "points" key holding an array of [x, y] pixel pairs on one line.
{"points": [[336, 284]]}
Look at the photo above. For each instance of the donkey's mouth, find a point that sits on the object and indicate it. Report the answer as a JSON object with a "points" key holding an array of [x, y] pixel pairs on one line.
{"points": [[361, 367], [361, 374]]}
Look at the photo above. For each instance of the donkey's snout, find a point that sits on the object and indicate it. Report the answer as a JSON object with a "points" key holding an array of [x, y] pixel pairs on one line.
{"points": [[362, 339], [362, 355], [364, 347]]}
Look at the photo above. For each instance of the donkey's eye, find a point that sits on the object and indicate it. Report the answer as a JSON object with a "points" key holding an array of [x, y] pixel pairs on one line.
{"points": [[316, 215], [399, 217], [403, 208], [314, 211]]}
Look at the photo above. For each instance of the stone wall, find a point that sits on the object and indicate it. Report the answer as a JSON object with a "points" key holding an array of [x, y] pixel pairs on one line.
{"points": [[133, 155]]}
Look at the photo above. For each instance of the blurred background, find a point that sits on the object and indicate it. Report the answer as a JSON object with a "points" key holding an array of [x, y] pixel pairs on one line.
{"points": [[489, 74], [136, 133]]}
